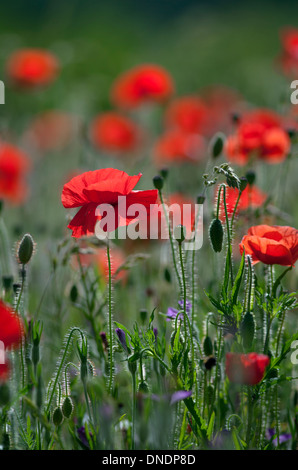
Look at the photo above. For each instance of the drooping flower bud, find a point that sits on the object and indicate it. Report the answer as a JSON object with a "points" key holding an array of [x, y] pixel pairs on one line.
{"points": [[216, 235], [243, 183], [208, 348], [57, 416], [67, 407], [25, 249]]}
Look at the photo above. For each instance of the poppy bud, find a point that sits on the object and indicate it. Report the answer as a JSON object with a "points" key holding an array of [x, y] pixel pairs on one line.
{"points": [[57, 416], [216, 235], [208, 348], [167, 275], [243, 183], [179, 233], [158, 182], [251, 177], [73, 293], [4, 394], [247, 330], [164, 172], [67, 407], [7, 282], [25, 249], [217, 144], [122, 338]]}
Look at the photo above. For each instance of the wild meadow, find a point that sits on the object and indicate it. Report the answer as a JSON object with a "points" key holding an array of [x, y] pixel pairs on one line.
{"points": [[148, 235]]}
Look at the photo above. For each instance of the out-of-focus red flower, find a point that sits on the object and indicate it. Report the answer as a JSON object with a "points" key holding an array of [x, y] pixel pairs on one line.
{"points": [[51, 130], [271, 244], [32, 67], [11, 329], [178, 146], [187, 113], [114, 133], [288, 59], [103, 187], [144, 83], [246, 369], [14, 165], [4, 372], [117, 260], [260, 133], [251, 196]]}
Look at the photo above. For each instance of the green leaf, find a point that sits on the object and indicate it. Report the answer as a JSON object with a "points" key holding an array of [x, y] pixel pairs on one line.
{"points": [[211, 426], [238, 279]]}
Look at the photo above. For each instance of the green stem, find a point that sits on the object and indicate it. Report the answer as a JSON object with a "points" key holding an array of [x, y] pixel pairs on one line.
{"points": [[134, 407], [111, 336], [250, 415], [171, 240]]}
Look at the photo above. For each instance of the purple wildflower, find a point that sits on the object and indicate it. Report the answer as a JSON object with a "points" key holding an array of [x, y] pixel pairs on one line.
{"points": [[173, 312], [122, 338], [284, 437]]}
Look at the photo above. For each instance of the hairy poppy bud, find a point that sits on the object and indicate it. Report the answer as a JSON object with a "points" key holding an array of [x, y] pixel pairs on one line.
{"points": [[57, 416], [25, 249], [247, 330], [216, 235], [67, 407], [158, 182], [208, 348], [179, 233], [217, 144], [73, 293]]}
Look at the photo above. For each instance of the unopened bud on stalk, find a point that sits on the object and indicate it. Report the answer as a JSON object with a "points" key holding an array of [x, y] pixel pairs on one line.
{"points": [[217, 144], [208, 348], [179, 233], [247, 330], [67, 407], [25, 249], [143, 315], [158, 182], [243, 183], [251, 177], [216, 235], [7, 282], [57, 416], [122, 338], [143, 387]]}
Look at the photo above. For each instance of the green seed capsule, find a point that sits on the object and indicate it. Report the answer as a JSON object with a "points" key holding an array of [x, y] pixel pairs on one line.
{"points": [[57, 416], [216, 235], [67, 407], [158, 182], [25, 249]]}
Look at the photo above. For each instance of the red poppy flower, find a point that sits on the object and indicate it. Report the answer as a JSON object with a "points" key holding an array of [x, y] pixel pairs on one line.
{"points": [[51, 130], [32, 67], [259, 133], [11, 329], [252, 197], [178, 146], [13, 167], [103, 187], [188, 113], [271, 244], [144, 83], [246, 369], [114, 133]]}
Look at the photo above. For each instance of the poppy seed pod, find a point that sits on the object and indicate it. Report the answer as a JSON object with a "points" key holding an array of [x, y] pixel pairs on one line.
{"points": [[247, 330], [216, 235], [217, 144], [25, 249]]}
